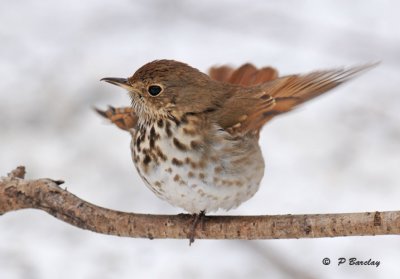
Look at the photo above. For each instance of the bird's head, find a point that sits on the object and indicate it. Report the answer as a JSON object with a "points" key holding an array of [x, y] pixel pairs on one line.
{"points": [[167, 87]]}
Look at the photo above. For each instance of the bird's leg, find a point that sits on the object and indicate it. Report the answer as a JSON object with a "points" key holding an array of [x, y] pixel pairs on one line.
{"points": [[197, 217]]}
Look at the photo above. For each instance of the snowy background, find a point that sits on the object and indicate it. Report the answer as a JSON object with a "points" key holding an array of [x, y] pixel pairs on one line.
{"points": [[339, 153]]}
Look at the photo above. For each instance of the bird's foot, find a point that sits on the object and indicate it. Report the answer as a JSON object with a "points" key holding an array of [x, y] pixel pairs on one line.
{"points": [[197, 218]]}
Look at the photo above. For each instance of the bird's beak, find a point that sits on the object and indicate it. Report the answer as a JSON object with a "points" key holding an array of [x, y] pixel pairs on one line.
{"points": [[121, 82]]}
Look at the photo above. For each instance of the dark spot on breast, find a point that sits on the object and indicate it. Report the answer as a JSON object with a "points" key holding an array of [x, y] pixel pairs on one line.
{"points": [[176, 121], [160, 123], [176, 162], [137, 143], [179, 144], [152, 132], [168, 170], [202, 164], [142, 130], [218, 170], [195, 144], [168, 129], [160, 154], [151, 143], [141, 137], [214, 159], [146, 160], [153, 136], [238, 183], [177, 178]]}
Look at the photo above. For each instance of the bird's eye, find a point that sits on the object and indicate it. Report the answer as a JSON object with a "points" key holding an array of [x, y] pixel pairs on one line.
{"points": [[154, 90]]}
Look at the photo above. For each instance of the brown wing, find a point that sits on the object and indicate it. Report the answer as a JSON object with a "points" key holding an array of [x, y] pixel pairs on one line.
{"points": [[260, 103], [246, 75], [123, 117]]}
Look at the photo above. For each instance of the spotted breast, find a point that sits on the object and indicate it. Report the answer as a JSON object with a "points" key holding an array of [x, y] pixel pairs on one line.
{"points": [[196, 171]]}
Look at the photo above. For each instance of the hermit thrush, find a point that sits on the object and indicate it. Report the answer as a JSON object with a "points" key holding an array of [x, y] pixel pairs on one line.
{"points": [[195, 137]]}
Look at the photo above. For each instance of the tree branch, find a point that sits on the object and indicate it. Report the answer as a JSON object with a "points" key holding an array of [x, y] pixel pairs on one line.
{"points": [[46, 194]]}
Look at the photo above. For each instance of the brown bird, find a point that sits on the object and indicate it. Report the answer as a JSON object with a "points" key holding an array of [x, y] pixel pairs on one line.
{"points": [[195, 136]]}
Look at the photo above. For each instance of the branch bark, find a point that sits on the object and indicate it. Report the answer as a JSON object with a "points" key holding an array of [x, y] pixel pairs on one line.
{"points": [[46, 194]]}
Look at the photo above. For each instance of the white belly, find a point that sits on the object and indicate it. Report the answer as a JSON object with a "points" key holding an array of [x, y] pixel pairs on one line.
{"points": [[197, 179]]}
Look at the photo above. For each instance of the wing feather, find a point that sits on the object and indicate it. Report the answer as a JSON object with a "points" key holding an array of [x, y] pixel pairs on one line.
{"points": [[248, 109]]}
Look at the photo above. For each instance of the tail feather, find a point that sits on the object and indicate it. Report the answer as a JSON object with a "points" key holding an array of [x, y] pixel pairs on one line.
{"points": [[291, 91], [245, 75]]}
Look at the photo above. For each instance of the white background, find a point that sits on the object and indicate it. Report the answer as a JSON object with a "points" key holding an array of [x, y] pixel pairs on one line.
{"points": [[339, 153]]}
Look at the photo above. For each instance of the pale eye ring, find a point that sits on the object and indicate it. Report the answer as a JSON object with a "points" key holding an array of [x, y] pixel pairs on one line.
{"points": [[154, 90]]}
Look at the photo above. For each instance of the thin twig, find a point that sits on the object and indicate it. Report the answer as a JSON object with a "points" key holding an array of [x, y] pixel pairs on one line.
{"points": [[45, 194]]}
